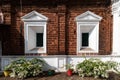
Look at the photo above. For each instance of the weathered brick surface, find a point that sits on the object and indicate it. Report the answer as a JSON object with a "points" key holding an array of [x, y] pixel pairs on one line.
{"points": [[61, 27], [104, 28]]}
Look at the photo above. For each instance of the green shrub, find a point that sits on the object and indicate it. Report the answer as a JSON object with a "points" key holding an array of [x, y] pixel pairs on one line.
{"points": [[69, 66], [95, 68], [23, 68]]}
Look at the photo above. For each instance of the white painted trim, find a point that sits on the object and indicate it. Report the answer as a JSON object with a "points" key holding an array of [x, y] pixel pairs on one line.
{"points": [[0, 53], [0, 48], [28, 24], [114, 1], [35, 20], [28, 17], [116, 7], [57, 56], [116, 28], [96, 38], [89, 20], [88, 16]]}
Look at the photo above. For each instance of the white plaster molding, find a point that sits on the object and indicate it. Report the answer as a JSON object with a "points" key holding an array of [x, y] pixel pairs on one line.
{"points": [[114, 1], [88, 16], [34, 22], [88, 22], [116, 33], [116, 7], [0, 48], [34, 16]]}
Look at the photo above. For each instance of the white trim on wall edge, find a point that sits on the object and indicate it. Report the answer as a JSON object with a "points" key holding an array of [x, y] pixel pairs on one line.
{"points": [[50, 56]]}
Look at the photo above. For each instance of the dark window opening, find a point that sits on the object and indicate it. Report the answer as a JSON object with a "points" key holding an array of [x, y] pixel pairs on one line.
{"points": [[85, 39], [39, 39]]}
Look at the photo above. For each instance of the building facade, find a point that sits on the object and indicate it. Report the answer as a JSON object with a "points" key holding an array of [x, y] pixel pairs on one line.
{"points": [[62, 31]]}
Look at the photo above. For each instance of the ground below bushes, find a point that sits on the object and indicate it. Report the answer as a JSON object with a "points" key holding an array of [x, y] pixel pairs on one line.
{"points": [[57, 76]]}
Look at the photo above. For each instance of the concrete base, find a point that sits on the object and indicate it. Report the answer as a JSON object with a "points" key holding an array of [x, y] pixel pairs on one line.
{"points": [[58, 62]]}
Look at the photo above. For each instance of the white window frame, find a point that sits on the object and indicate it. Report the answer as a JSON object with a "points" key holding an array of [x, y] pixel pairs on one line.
{"points": [[0, 48], [79, 38], [116, 28], [88, 22], [34, 20], [0, 54]]}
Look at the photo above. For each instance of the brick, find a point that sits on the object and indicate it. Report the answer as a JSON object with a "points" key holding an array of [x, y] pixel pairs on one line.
{"points": [[61, 27]]}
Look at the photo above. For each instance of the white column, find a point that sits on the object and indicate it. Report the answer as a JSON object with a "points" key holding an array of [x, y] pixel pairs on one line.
{"points": [[116, 28], [0, 53], [114, 1], [0, 48]]}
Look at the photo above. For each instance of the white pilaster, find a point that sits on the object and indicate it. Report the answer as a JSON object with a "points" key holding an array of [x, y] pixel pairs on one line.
{"points": [[116, 27]]}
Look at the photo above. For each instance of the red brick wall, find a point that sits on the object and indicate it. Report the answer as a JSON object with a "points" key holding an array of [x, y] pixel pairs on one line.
{"points": [[105, 32], [61, 27]]}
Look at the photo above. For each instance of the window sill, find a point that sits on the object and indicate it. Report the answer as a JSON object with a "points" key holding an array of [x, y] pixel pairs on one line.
{"points": [[87, 50], [37, 50]]}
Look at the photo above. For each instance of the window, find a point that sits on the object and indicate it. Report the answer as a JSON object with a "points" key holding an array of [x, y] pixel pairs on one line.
{"points": [[85, 41], [39, 40], [0, 48], [88, 32], [0, 52], [116, 27], [35, 32]]}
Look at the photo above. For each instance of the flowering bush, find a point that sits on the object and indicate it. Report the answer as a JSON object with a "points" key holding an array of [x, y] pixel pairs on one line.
{"points": [[96, 68], [23, 68]]}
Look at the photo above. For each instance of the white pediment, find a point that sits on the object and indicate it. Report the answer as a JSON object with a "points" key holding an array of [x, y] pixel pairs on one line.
{"points": [[88, 16], [34, 16]]}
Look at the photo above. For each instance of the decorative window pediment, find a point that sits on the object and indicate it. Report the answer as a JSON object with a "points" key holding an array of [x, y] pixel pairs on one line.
{"points": [[34, 16], [116, 7], [88, 32], [88, 16], [35, 32]]}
